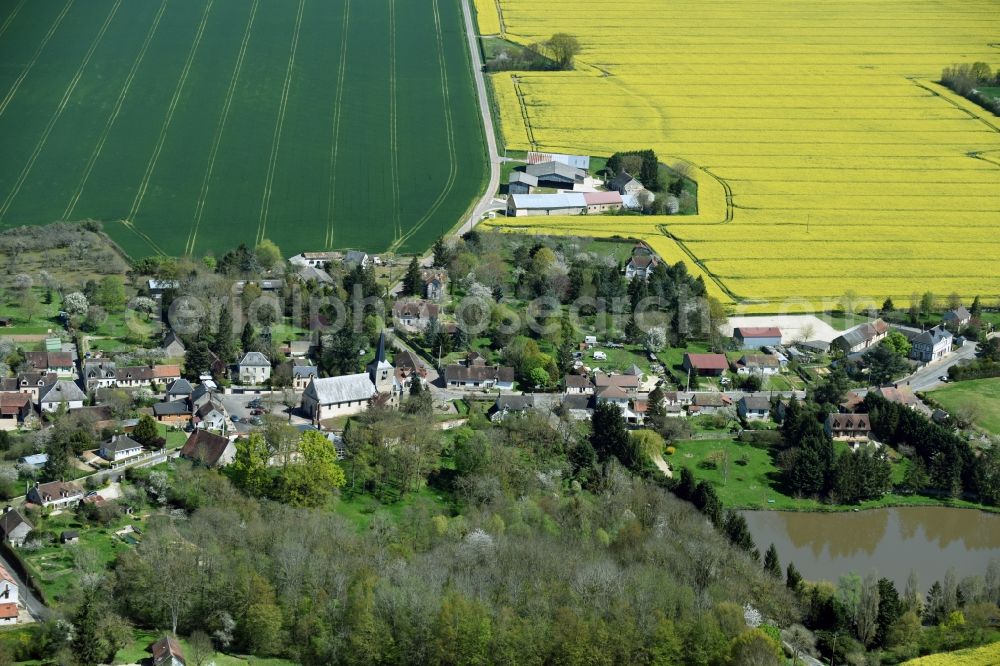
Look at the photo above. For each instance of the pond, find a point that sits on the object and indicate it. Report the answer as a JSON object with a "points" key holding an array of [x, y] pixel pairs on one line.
{"points": [[928, 540]]}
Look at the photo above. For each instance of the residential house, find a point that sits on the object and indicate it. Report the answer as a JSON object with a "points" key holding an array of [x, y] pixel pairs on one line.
{"points": [[641, 263], [931, 345], [331, 397], [300, 348], [55, 493], [710, 365], [511, 405], [172, 346], [709, 403], [408, 365], [210, 415], [903, 396], [754, 408], [578, 385], [172, 412], [848, 427], [145, 376], [479, 377], [957, 318], [179, 389], [579, 407], [167, 652], [602, 202], [98, 373], [118, 448], [526, 205], [14, 409], [755, 337], [29, 383], [624, 183], [628, 383], [556, 174], [8, 597], [356, 258], [614, 395], [254, 369], [314, 259], [677, 398], [415, 314], [435, 282], [861, 337], [14, 527], [63, 393], [208, 449], [581, 162], [58, 362], [302, 374], [521, 182], [762, 365]]}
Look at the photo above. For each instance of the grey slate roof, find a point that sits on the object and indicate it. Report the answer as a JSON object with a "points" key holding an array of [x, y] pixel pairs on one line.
{"points": [[346, 388], [180, 387], [255, 359], [756, 403], [120, 443], [10, 521], [544, 169], [933, 336], [304, 371], [173, 408], [62, 391], [522, 177]]}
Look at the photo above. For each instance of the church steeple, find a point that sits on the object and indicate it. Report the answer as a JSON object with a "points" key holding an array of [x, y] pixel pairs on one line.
{"points": [[380, 371]]}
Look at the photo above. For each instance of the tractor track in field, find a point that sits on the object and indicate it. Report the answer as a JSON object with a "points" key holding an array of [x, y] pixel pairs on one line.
{"points": [[449, 125], [10, 19], [393, 125], [70, 89], [171, 109], [335, 141], [99, 146], [220, 130], [34, 58], [272, 165]]}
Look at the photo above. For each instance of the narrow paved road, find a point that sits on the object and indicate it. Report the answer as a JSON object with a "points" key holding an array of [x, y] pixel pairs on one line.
{"points": [[927, 377], [25, 596], [486, 201]]}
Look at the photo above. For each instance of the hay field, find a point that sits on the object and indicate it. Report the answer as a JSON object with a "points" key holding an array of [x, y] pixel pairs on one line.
{"points": [[827, 160], [188, 127]]}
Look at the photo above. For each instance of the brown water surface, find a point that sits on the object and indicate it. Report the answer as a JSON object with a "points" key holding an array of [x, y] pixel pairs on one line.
{"points": [[928, 540]]}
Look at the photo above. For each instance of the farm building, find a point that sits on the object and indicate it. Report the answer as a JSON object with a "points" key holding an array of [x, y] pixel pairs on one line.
{"points": [[522, 205], [706, 364], [624, 183], [314, 259], [14, 408], [576, 161], [602, 202], [521, 182], [755, 337], [556, 174]]}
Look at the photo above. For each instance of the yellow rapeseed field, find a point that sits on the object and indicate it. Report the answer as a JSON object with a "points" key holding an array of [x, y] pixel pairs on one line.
{"points": [[827, 160]]}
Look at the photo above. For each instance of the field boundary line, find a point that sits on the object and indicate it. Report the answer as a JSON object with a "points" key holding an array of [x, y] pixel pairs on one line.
{"points": [[131, 227], [335, 144], [217, 139], [10, 19], [393, 125], [119, 103], [34, 58], [171, 109], [70, 89], [449, 125], [265, 202], [528, 129], [920, 84], [699, 263]]}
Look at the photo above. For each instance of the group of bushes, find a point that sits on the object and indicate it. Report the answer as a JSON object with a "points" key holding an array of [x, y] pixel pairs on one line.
{"points": [[966, 80]]}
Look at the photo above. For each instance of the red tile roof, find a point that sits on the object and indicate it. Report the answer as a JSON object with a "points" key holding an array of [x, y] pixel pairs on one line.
{"points": [[8, 611], [602, 198], [708, 361], [758, 332]]}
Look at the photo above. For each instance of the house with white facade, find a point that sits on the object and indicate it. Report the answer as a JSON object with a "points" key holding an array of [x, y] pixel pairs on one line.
{"points": [[63, 393], [55, 494], [118, 448], [931, 345]]}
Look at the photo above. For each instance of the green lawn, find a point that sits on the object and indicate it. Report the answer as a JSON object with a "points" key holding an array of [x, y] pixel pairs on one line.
{"points": [[53, 567], [979, 398], [138, 651], [750, 480], [201, 119]]}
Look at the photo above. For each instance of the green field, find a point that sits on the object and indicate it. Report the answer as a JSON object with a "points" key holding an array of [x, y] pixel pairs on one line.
{"points": [[977, 399], [190, 126]]}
